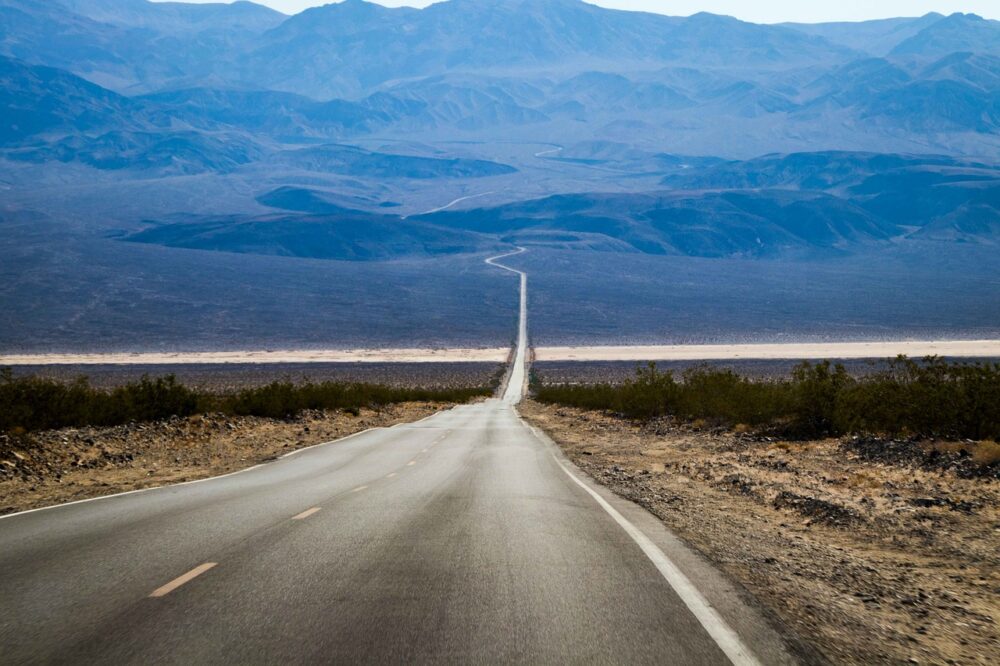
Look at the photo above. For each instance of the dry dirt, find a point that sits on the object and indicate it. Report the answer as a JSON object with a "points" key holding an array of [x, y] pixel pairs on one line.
{"points": [[58, 466], [226, 377], [869, 561]]}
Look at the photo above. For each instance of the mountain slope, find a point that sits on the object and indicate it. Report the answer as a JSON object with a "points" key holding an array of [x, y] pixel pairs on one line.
{"points": [[347, 236], [874, 37], [43, 101], [353, 46], [958, 32], [174, 17], [710, 224], [354, 161]]}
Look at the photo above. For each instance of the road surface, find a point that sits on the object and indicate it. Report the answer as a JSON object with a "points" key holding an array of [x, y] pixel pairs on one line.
{"points": [[463, 538]]}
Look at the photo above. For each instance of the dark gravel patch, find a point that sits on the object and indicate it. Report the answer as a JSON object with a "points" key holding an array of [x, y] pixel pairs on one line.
{"points": [[922, 454], [225, 376]]}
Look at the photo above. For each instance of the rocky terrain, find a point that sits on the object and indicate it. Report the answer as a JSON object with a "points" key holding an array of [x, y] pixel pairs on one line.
{"points": [[871, 551], [40, 469]]}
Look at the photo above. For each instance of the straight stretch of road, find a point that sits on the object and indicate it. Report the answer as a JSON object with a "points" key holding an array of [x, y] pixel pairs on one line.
{"points": [[462, 538]]}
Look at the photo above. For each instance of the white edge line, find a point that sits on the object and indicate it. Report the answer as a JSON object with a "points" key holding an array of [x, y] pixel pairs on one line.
{"points": [[188, 483], [723, 635], [332, 441], [131, 492], [429, 416], [221, 476]]}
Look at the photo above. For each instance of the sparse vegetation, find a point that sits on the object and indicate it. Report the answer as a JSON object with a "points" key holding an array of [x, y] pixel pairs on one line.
{"points": [[282, 399], [932, 397], [33, 403]]}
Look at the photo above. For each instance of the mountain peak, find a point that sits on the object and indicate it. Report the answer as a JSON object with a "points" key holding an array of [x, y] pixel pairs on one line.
{"points": [[966, 16], [957, 32]]}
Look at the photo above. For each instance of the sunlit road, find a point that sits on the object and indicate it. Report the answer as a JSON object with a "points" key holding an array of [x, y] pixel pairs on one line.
{"points": [[462, 538]]}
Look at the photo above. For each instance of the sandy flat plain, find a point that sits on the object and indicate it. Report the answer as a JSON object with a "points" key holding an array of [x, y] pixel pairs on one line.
{"points": [[812, 350], [287, 356]]}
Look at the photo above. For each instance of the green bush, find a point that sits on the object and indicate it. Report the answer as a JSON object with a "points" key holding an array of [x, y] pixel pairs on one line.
{"points": [[724, 397], [33, 403], [932, 397]]}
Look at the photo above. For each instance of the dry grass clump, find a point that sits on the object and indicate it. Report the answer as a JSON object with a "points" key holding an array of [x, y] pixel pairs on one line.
{"points": [[986, 453], [35, 403]]}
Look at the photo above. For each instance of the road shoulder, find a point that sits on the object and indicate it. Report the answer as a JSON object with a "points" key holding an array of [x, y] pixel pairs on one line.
{"points": [[72, 464], [756, 626], [892, 579]]}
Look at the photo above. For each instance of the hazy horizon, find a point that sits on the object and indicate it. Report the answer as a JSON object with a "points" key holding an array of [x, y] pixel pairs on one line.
{"points": [[765, 11]]}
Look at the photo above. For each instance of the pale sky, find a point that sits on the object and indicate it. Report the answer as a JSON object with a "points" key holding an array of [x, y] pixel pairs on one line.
{"points": [[758, 11]]}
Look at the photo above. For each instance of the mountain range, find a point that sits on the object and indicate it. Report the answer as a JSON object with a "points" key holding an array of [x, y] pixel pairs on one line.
{"points": [[171, 133], [552, 68]]}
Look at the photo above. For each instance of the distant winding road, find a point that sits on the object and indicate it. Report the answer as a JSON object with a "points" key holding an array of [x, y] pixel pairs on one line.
{"points": [[463, 538], [451, 203]]}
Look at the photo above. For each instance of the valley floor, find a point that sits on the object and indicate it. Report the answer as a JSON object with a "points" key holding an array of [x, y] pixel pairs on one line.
{"points": [[780, 351], [483, 355], [867, 561]]}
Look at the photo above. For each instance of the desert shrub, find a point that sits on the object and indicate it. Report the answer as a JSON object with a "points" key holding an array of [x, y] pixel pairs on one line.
{"points": [[815, 405], [932, 397], [284, 399], [33, 403], [722, 396], [645, 397]]}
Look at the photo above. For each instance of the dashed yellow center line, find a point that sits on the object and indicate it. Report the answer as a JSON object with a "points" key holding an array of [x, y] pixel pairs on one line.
{"points": [[412, 462], [177, 582], [359, 489], [305, 514]]}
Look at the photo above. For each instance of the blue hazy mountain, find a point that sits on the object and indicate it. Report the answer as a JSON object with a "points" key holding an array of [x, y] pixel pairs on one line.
{"points": [[237, 18], [958, 32], [355, 45], [877, 37], [647, 129], [346, 235], [537, 68], [184, 175], [38, 101], [130, 45]]}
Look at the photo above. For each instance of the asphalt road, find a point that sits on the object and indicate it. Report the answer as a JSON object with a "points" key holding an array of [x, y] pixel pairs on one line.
{"points": [[462, 538]]}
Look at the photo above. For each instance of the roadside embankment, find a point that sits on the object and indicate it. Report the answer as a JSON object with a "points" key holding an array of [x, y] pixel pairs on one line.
{"points": [[55, 466], [873, 551]]}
